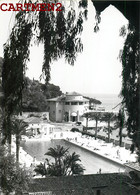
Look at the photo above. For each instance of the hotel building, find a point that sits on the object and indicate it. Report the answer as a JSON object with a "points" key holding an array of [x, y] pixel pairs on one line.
{"points": [[68, 107]]}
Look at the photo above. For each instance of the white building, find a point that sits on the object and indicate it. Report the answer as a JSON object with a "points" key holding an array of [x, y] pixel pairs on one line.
{"points": [[38, 126], [68, 107]]}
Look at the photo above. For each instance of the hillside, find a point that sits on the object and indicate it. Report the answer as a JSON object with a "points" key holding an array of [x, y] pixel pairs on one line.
{"points": [[35, 94]]}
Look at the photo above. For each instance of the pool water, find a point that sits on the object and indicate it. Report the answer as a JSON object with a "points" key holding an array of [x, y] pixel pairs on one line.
{"points": [[91, 161]]}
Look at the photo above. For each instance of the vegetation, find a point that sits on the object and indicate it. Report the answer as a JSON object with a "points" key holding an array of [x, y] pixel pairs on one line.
{"points": [[35, 95], [64, 163], [18, 129], [87, 115], [60, 35], [102, 116], [120, 123], [1, 62], [109, 117], [74, 130], [1, 95], [12, 178], [130, 63], [97, 116], [131, 85]]}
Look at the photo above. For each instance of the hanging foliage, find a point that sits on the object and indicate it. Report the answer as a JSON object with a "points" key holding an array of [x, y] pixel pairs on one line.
{"points": [[130, 64], [58, 31], [131, 85]]}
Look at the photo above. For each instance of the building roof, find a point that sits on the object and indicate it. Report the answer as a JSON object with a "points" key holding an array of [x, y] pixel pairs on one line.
{"points": [[133, 165], [73, 93], [82, 185], [64, 98], [33, 120], [57, 99], [121, 189], [82, 100]]}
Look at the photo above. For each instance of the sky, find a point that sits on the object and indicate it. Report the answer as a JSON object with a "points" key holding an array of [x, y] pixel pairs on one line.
{"points": [[97, 69]]}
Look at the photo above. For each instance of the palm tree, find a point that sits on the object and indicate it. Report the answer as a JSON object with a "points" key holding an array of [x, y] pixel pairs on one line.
{"points": [[108, 117], [71, 165], [41, 169], [18, 128], [120, 118], [64, 163], [87, 115], [96, 116], [57, 153]]}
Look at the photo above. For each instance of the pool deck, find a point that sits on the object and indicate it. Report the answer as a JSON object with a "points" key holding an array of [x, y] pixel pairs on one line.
{"points": [[117, 161], [98, 147], [109, 151]]}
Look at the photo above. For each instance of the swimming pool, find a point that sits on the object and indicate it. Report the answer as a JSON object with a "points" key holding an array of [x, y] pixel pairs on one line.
{"points": [[92, 162]]}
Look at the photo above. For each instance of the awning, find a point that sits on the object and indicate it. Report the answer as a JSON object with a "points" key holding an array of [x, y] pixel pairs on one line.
{"points": [[73, 114]]}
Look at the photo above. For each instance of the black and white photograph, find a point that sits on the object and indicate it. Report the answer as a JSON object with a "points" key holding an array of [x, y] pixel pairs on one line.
{"points": [[69, 97]]}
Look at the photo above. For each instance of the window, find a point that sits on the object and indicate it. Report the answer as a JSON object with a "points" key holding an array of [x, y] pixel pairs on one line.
{"points": [[50, 130], [53, 112], [59, 111], [80, 103], [98, 192], [67, 103], [74, 103]]}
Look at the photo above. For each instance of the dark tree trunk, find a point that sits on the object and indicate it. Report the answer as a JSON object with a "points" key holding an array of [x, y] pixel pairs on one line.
{"points": [[120, 135], [9, 142], [87, 122], [17, 148]]}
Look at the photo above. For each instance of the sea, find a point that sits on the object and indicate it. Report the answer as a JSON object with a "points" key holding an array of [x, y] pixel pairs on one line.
{"points": [[111, 102]]}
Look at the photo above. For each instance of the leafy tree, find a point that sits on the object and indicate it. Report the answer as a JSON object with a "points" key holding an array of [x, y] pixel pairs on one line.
{"points": [[33, 99], [1, 63], [131, 85], [7, 130], [108, 117], [18, 129], [64, 163], [1, 95], [59, 32], [119, 123], [51, 90], [35, 95], [12, 178]]}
